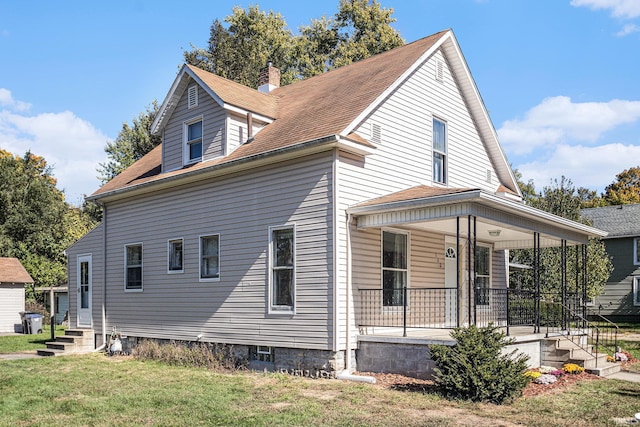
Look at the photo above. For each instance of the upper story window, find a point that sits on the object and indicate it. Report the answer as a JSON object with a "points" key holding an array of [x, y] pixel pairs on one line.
{"points": [[133, 267], [193, 140], [439, 151], [282, 262], [175, 256], [636, 251]]}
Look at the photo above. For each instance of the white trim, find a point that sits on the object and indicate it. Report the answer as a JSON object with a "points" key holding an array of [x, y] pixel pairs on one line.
{"points": [[636, 241], [208, 279], [335, 236], [169, 271], [141, 267], [185, 139], [636, 291], [281, 310], [388, 308]]}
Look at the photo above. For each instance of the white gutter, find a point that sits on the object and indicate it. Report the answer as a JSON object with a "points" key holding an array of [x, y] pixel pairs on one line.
{"points": [[484, 198]]}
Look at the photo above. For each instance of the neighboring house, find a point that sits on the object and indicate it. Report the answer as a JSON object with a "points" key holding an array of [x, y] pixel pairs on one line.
{"points": [[13, 278], [620, 299], [59, 296], [297, 223]]}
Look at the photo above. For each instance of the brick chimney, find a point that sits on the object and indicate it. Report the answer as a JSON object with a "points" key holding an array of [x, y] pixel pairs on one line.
{"points": [[269, 78]]}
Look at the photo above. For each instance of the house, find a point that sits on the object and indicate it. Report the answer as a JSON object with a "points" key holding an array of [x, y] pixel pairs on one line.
{"points": [[13, 278], [57, 299], [620, 299], [312, 226]]}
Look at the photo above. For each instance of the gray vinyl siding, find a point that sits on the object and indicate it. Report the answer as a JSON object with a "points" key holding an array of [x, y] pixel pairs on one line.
{"points": [[617, 297], [213, 129], [403, 157], [90, 244], [498, 269], [240, 208]]}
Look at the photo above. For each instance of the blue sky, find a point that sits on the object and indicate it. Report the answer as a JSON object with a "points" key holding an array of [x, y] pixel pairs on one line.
{"points": [[560, 78]]}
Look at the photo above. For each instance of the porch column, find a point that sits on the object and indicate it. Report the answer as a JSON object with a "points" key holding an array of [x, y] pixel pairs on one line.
{"points": [[536, 280], [458, 290], [563, 258], [584, 284]]}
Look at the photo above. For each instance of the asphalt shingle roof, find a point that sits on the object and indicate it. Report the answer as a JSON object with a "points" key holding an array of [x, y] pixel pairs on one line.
{"points": [[12, 272], [619, 220]]}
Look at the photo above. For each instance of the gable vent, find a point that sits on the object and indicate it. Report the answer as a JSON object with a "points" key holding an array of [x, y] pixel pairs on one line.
{"points": [[376, 133], [193, 96], [489, 175], [439, 70]]}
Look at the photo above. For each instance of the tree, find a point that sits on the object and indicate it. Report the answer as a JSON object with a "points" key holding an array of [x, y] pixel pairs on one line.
{"points": [[561, 198], [36, 224], [131, 144], [625, 189]]}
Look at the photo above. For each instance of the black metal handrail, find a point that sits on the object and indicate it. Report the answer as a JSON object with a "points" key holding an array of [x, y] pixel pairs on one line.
{"points": [[406, 307]]}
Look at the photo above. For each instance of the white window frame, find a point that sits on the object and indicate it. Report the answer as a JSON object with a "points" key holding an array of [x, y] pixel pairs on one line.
{"points": [[383, 268], [636, 253], [192, 96], [636, 291], [187, 160], [282, 309], [208, 279], [444, 154], [169, 247], [127, 266], [489, 276]]}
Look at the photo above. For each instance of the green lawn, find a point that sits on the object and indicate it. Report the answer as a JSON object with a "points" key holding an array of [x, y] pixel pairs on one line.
{"points": [[98, 390], [20, 343]]}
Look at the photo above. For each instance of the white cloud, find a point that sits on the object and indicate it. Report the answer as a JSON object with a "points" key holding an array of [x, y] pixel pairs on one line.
{"points": [[558, 119], [71, 145], [628, 29], [589, 167], [619, 8], [7, 101]]}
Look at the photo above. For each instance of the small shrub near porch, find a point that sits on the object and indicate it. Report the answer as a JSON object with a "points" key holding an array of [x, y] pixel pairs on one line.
{"points": [[475, 369]]}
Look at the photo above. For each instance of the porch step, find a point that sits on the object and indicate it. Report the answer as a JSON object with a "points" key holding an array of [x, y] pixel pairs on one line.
{"points": [[73, 341], [605, 370], [565, 349]]}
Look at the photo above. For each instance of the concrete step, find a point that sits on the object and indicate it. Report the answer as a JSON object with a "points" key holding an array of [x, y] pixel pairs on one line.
{"points": [[47, 352], [605, 370], [78, 332], [66, 338], [64, 346]]}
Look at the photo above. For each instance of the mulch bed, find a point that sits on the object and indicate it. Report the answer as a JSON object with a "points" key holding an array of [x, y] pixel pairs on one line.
{"points": [[403, 383]]}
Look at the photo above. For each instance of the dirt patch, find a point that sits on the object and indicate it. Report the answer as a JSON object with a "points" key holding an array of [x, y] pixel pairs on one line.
{"points": [[321, 394]]}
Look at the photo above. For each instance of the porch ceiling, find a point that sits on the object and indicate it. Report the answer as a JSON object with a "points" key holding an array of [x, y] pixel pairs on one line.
{"points": [[505, 223]]}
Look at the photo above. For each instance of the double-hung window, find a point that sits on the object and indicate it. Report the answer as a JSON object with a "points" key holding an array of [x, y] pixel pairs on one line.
{"points": [[193, 141], [394, 268], [439, 151], [483, 275], [636, 251], [175, 255], [210, 257], [636, 291], [133, 267], [282, 289]]}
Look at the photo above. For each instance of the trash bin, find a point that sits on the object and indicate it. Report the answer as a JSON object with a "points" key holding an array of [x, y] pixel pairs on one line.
{"points": [[31, 322]]}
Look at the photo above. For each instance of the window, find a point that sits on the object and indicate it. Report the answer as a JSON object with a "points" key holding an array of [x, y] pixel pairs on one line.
{"points": [[175, 256], [262, 353], [209, 257], [192, 97], [636, 251], [483, 274], [282, 287], [133, 267], [193, 137], [636, 291], [439, 151], [394, 268]]}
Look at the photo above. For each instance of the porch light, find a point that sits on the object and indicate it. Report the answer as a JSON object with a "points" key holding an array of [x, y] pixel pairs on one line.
{"points": [[494, 233]]}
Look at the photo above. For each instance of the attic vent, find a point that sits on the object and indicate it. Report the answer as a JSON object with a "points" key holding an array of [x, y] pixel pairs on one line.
{"points": [[240, 135], [193, 96], [376, 133], [439, 70], [489, 175]]}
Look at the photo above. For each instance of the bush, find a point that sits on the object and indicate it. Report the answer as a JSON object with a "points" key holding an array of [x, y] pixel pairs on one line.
{"points": [[475, 369], [205, 355]]}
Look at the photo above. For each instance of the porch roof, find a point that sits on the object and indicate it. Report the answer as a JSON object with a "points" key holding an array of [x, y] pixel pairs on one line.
{"points": [[507, 224]]}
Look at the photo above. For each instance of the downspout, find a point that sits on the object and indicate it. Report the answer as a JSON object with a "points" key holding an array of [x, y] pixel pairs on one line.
{"points": [[104, 276], [348, 286]]}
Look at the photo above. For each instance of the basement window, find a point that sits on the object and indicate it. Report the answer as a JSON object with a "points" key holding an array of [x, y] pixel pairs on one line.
{"points": [[262, 353]]}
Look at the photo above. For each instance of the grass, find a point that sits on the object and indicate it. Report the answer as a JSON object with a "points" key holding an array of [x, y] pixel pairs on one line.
{"points": [[21, 343], [98, 390]]}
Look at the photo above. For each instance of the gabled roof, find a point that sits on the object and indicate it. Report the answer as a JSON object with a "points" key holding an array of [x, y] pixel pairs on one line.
{"points": [[320, 110], [12, 272], [618, 220]]}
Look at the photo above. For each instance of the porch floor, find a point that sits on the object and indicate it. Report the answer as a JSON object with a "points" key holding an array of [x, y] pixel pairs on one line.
{"points": [[436, 336]]}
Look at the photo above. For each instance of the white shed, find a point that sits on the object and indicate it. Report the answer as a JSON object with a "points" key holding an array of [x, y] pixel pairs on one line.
{"points": [[13, 278]]}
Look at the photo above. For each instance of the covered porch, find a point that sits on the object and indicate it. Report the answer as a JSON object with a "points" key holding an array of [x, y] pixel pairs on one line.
{"points": [[426, 260]]}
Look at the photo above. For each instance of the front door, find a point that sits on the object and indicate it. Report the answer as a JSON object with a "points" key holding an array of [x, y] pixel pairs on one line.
{"points": [[84, 290]]}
